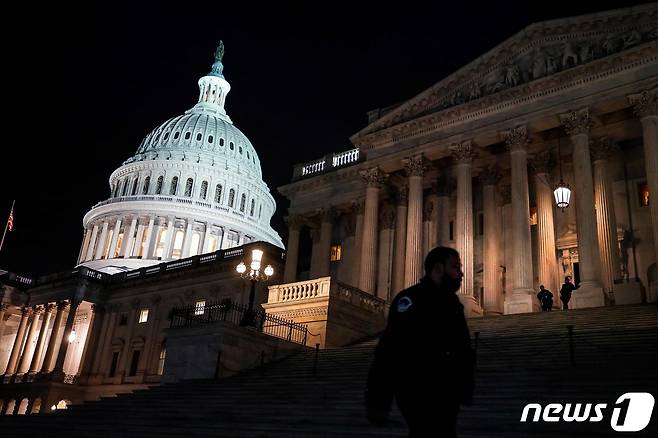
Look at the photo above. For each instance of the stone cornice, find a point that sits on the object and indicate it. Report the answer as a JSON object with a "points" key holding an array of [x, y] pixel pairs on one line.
{"points": [[537, 51], [500, 101]]}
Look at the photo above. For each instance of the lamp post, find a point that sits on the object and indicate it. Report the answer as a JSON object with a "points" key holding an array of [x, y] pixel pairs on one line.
{"points": [[254, 275]]}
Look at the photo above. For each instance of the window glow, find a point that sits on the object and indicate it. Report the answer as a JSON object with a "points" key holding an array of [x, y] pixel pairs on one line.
{"points": [[143, 316]]}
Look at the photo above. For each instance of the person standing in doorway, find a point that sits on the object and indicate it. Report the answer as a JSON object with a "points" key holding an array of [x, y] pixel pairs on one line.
{"points": [[565, 292]]}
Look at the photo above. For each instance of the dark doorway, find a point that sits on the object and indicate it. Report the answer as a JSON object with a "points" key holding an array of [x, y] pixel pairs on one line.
{"points": [[576, 274], [133, 363]]}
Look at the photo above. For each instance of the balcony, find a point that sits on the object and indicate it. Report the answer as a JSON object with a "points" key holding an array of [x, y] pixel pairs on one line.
{"points": [[326, 164]]}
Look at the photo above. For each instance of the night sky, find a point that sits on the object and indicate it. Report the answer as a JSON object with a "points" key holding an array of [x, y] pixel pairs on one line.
{"points": [[82, 88]]}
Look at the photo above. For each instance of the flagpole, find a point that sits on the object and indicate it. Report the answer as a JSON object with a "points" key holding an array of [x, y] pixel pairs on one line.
{"points": [[7, 224]]}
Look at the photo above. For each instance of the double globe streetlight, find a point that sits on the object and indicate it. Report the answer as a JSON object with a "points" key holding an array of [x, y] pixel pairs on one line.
{"points": [[254, 274]]}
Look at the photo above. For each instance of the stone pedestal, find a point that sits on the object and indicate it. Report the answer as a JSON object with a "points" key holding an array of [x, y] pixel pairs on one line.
{"points": [[629, 293], [587, 295]]}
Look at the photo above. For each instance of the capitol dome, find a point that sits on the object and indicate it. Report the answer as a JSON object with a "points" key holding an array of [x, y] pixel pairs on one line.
{"points": [[194, 186]]}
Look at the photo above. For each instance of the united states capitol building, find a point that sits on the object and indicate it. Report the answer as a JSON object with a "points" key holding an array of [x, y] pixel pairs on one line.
{"points": [[474, 162]]}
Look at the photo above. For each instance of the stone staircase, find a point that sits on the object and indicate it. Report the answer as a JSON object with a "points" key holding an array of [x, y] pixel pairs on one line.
{"points": [[521, 359]]}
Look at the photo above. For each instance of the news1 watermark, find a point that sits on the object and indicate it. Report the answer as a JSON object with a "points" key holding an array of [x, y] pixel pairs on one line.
{"points": [[630, 413]]}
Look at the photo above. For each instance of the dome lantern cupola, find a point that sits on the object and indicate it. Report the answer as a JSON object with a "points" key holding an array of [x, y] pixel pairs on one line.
{"points": [[213, 89]]}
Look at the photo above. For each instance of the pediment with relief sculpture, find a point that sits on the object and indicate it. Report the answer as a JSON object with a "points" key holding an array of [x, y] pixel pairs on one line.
{"points": [[541, 56]]}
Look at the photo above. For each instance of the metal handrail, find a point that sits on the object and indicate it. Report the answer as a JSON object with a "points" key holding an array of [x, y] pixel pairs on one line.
{"points": [[192, 315]]}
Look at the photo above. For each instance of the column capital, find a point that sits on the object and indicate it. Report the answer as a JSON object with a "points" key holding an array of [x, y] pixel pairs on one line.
{"points": [[373, 177], [27, 311], [3, 307], [97, 308], [462, 152], [328, 214], [294, 221], [51, 308], [645, 104], [415, 165], [386, 217], [358, 206], [62, 305], [38, 309], [516, 138], [576, 122], [602, 148], [490, 176], [542, 162], [401, 194]]}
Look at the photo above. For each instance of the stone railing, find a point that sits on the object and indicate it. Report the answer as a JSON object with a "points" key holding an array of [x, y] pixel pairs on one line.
{"points": [[326, 163], [302, 290], [324, 287]]}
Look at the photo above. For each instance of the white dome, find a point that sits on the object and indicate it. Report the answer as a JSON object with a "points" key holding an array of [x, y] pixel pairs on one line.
{"points": [[194, 186]]}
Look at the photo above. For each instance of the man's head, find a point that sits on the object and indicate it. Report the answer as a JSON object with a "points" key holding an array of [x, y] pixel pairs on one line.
{"points": [[443, 266], [567, 279], [541, 287]]}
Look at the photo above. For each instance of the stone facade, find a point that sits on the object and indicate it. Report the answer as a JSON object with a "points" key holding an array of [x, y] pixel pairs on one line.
{"points": [[560, 86]]}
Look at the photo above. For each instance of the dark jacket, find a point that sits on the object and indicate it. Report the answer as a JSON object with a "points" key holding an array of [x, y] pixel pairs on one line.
{"points": [[545, 296], [565, 291], [424, 353]]}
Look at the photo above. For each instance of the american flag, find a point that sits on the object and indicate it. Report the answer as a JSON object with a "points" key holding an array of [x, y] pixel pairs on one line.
{"points": [[10, 221]]}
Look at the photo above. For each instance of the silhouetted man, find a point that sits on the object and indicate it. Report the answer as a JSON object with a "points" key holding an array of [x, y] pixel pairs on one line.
{"points": [[545, 299], [424, 357], [565, 292]]}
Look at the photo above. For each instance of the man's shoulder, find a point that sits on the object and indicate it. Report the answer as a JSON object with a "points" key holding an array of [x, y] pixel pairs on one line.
{"points": [[405, 300]]}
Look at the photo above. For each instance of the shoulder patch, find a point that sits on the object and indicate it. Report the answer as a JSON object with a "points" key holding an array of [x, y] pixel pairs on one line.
{"points": [[404, 304]]}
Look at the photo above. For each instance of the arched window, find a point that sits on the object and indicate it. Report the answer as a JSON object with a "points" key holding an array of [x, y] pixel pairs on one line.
{"points": [[134, 190], [204, 190], [251, 210], [210, 139], [231, 145], [221, 141], [147, 183], [198, 137], [158, 185], [174, 185], [243, 201], [188, 187], [231, 197], [161, 357], [166, 136], [126, 182], [176, 135], [188, 135], [260, 211], [218, 193]]}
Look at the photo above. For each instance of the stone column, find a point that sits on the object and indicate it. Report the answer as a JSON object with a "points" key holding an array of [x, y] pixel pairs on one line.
{"points": [[314, 269], [115, 239], [38, 351], [105, 339], [187, 240], [399, 248], [169, 244], [433, 216], [128, 240], [3, 310], [148, 245], [54, 336], [18, 342], [493, 294], [507, 235], [374, 178], [606, 224], [646, 108], [92, 243], [125, 356], [292, 249], [85, 245], [101, 242], [359, 208], [92, 343], [415, 167], [443, 187], [428, 211], [326, 224], [549, 276], [139, 237], [590, 293], [463, 154], [24, 365], [58, 371], [522, 299], [385, 257]]}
